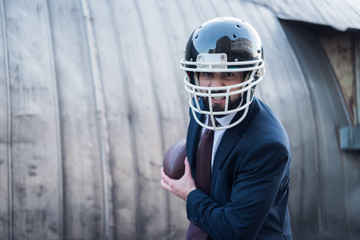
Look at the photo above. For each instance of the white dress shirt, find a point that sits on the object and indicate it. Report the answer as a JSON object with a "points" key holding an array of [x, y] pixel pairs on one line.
{"points": [[218, 134]]}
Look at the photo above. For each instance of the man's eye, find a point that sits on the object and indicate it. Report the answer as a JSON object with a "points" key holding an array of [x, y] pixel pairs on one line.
{"points": [[228, 74], [207, 74]]}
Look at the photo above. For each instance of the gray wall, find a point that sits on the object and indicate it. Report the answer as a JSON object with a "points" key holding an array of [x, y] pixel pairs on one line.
{"points": [[91, 97]]}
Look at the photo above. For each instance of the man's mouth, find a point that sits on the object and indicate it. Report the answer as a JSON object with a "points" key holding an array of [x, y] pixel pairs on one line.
{"points": [[218, 99]]}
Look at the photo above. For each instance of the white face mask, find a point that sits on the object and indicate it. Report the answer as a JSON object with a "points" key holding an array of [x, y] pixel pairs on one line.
{"points": [[218, 63]]}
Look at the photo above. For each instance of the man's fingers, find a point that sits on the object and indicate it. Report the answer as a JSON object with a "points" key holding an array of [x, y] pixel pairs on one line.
{"points": [[187, 166], [164, 176], [166, 182]]}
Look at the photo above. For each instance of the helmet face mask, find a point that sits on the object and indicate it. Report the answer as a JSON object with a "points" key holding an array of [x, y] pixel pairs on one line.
{"points": [[222, 45]]}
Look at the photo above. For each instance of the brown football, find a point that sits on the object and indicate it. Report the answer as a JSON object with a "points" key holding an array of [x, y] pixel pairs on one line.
{"points": [[173, 162]]}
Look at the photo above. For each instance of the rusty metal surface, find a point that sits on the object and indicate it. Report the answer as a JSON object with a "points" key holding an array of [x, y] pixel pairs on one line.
{"points": [[339, 48]]}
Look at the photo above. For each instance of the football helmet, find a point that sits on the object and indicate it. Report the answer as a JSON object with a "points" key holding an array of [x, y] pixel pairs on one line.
{"points": [[223, 44]]}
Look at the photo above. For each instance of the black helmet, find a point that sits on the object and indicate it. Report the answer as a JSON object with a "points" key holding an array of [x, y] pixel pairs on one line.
{"points": [[223, 44]]}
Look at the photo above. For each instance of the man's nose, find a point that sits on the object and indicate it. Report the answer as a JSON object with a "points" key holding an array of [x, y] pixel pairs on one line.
{"points": [[216, 82]]}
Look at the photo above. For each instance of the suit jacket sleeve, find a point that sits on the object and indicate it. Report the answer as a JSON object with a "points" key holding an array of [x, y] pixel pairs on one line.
{"points": [[257, 181]]}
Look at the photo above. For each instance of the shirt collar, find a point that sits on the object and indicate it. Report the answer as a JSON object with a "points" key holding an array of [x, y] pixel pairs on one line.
{"points": [[225, 120]]}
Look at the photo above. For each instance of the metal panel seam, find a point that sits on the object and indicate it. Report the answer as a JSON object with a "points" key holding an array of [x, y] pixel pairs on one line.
{"points": [[57, 119], [100, 109], [133, 138], [8, 138]]}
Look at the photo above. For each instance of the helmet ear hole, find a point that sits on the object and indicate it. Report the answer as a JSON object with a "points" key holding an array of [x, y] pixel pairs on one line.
{"points": [[247, 75], [191, 77], [259, 73]]}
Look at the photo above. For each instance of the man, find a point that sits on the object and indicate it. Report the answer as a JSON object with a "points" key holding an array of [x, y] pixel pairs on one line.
{"points": [[240, 189]]}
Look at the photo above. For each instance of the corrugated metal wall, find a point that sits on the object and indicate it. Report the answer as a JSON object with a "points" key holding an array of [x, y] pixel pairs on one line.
{"points": [[330, 179], [91, 97]]}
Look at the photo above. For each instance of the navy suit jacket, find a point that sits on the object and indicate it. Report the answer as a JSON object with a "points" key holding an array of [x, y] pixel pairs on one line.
{"points": [[249, 181]]}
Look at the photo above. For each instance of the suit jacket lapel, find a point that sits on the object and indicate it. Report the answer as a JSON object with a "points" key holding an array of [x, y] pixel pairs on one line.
{"points": [[230, 139], [192, 142]]}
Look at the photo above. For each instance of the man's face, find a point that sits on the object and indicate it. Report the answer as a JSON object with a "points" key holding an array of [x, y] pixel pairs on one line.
{"points": [[221, 79]]}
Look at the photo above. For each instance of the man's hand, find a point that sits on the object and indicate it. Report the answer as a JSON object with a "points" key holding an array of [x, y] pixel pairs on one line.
{"points": [[180, 187]]}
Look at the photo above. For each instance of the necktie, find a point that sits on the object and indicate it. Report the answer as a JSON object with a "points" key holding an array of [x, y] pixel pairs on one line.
{"points": [[203, 176], [203, 160]]}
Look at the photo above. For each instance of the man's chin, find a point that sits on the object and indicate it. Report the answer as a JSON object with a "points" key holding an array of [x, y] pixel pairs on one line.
{"points": [[219, 107], [216, 108]]}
